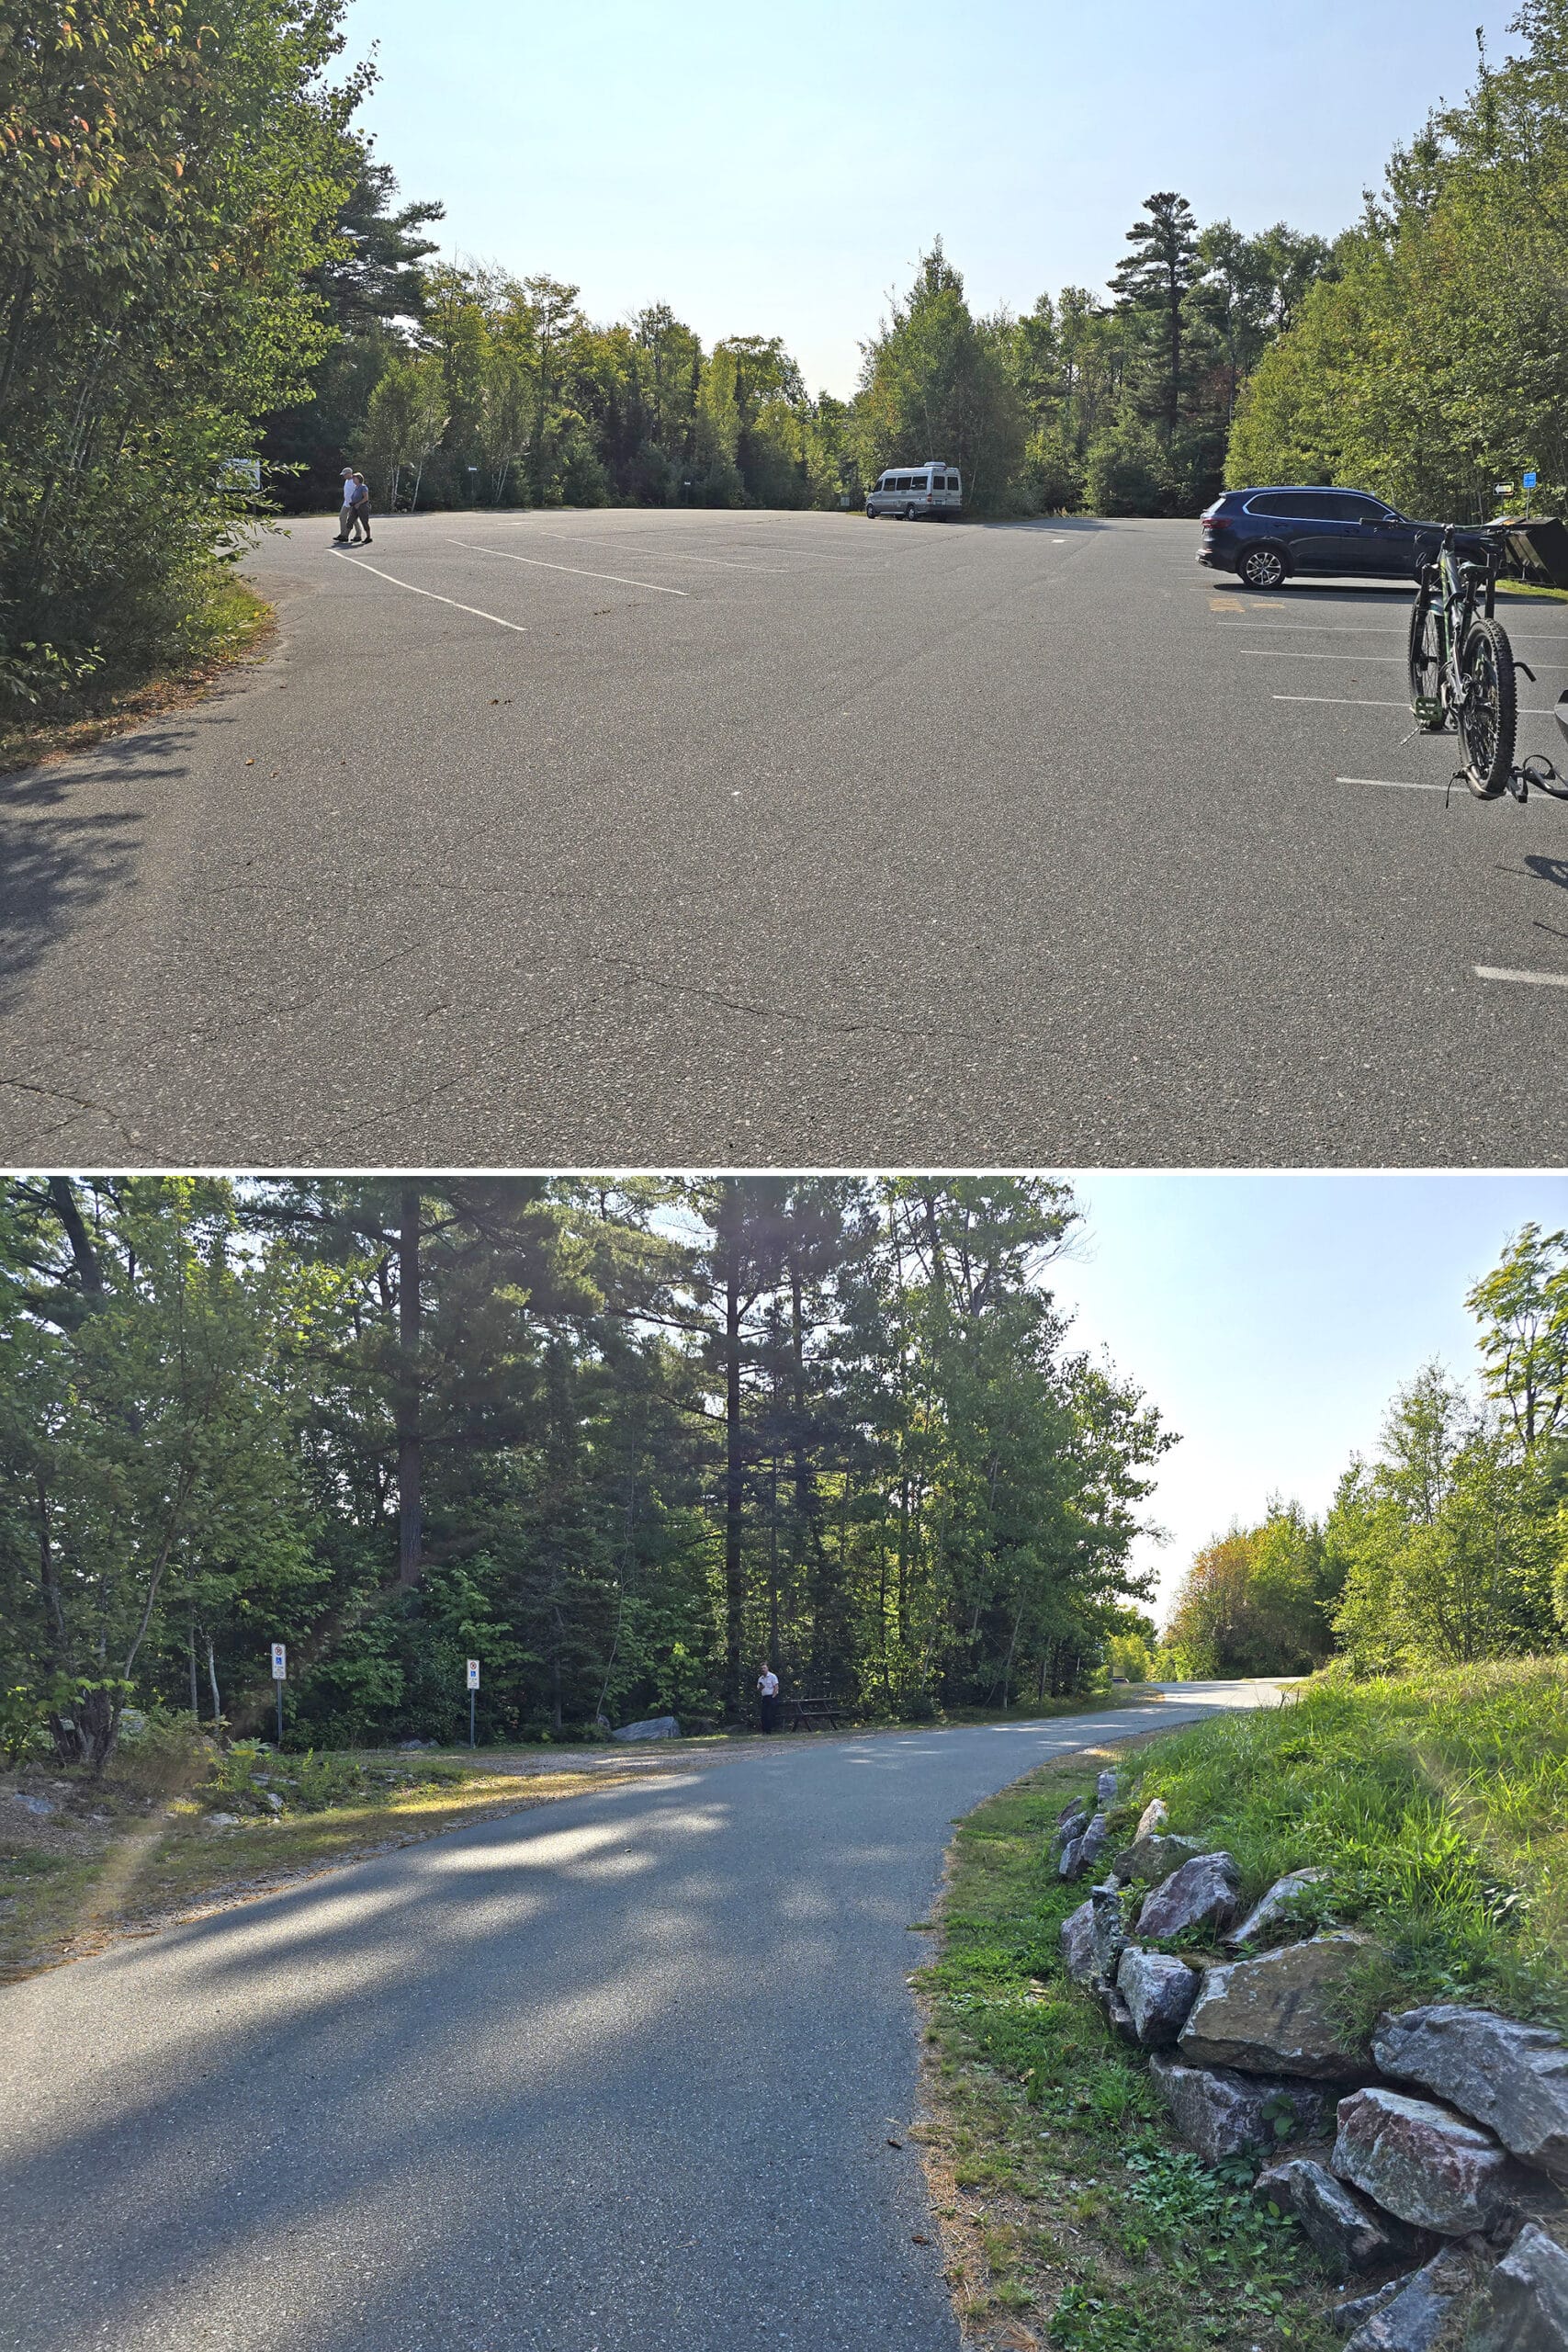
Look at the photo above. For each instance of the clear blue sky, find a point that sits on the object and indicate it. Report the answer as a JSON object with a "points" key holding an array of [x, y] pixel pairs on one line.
{"points": [[776, 170], [1272, 1317]]}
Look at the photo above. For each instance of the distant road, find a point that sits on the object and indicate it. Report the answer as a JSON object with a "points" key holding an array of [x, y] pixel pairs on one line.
{"points": [[615, 2074], [705, 838]]}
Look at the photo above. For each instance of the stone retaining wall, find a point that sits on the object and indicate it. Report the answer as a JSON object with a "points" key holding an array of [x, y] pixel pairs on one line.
{"points": [[1426, 2161]]}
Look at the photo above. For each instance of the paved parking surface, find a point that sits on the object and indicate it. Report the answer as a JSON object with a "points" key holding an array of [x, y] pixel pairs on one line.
{"points": [[619, 838], [618, 2075]]}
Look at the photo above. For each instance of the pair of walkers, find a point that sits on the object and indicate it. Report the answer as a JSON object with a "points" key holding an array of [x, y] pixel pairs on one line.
{"points": [[354, 523]]}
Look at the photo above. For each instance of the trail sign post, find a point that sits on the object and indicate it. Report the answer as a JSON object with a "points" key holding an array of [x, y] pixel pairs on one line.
{"points": [[280, 1677], [1530, 481], [473, 1686]]}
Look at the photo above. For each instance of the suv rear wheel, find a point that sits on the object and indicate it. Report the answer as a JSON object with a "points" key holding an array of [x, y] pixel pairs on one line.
{"points": [[1262, 567]]}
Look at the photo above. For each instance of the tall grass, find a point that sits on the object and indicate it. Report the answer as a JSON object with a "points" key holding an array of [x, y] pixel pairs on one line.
{"points": [[1437, 1801]]}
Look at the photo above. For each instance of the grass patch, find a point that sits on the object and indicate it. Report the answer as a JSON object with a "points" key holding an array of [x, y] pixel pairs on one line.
{"points": [[1439, 1804], [110, 1861], [1071, 2214], [230, 621]]}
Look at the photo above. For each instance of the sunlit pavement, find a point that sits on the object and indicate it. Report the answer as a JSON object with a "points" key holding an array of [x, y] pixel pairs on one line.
{"points": [[612, 2074], [707, 839]]}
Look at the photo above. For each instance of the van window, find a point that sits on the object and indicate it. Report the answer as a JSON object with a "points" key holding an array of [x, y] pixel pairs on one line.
{"points": [[953, 482], [902, 483]]}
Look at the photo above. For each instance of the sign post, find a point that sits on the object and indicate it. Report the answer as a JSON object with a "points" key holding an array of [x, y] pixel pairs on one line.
{"points": [[1530, 481], [280, 1677], [473, 1686]]}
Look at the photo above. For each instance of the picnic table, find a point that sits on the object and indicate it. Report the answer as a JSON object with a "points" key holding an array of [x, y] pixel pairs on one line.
{"points": [[799, 1714]]}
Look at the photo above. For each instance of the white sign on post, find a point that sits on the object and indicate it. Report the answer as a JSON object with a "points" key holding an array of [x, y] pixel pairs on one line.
{"points": [[279, 1663], [473, 1674]]}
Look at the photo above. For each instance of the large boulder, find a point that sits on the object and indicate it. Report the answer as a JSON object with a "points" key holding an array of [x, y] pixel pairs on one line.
{"points": [[1071, 1822], [1280, 2012], [655, 1727], [1275, 1908], [1076, 1935], [1152, 1858], [1158, 1991], [1107, 1908], [1413, 2320], [1524, 2305], [1349, 2233], [1511, 2078], [1220, 2113], [1203, 1893], [1080, 1854], [1423, 2163]]}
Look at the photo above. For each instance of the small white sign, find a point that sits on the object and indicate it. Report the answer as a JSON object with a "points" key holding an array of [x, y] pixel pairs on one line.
{"points": [[473, 1674], [279, 1663]]}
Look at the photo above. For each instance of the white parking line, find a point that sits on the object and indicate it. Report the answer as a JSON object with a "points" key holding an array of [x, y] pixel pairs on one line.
{"points": [[1391, 783], [1349, 701], [1284, 653], [507, 557], [1526, 979], [1372, 628], [359, 560], [666, 555]]}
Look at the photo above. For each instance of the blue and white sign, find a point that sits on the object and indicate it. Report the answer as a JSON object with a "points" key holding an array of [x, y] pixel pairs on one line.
{"points": [[1530, 480], [279, 1663], [473, 1674]]}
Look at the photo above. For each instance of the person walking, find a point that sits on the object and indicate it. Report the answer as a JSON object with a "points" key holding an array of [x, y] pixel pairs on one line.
{"points": [[768, 1698], [345, 519], [360, 507]]}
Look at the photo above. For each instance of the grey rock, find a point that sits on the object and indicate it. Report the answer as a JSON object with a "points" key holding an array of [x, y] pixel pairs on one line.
{"points": [[222, 1821], [1349, 2233], [1154, 1817], [1158, 1992], [1203, 1893], [1273, 1909], [1524, 2305], [271, 1797], [1071, 1823], [1082, 1853], [1414, 2319], [1108, 1909], [39, 1805], [1221, 2113], [1153, 1859], [1076, 1935], [1347, 2317], [1423, 2163], [655, 1727], [1105, 1789], [1279, 2012], [1119, 2017], [1511, 2078]]}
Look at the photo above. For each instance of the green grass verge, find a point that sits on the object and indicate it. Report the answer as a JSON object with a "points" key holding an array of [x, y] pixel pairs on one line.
{"points": [[1438, 1803], [228, 622], [1071, 2214]]}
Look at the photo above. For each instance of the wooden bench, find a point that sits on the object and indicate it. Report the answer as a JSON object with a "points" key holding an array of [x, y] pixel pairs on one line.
{"points": [[802, 1714]]}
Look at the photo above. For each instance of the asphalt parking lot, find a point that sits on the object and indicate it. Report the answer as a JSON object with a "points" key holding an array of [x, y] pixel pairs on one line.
{"points": [[633, 838]]}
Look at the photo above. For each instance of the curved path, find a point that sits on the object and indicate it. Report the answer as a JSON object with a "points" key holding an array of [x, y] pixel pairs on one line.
{"points": [[610, 2075]]}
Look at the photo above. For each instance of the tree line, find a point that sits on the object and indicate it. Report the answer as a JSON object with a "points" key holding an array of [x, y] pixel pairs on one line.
{"points": [[1429, 363], [1448, 1545], [621, 1440]]}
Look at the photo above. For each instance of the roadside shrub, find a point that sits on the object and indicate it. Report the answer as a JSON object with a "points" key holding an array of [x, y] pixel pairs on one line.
{"points": [[324, 1780], [21, 1724], [167, 1754]]}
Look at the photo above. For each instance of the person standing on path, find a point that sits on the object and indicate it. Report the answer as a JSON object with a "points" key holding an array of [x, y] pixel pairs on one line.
{"points": [[359, 508], [768, 1698], [346, 517]]}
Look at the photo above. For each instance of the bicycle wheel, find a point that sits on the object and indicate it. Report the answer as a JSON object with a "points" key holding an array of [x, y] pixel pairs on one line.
{"points": [[1488, 717], [1425, 663]]}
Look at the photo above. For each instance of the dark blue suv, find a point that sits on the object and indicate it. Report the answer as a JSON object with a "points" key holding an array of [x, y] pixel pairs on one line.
{"points": [[1264, 535]]}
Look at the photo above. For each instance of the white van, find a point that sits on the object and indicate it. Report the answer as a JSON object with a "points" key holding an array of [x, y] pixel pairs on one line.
{"points": [[932, 488]]}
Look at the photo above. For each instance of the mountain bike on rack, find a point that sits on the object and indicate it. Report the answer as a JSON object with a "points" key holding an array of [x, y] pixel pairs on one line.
{"points": [[1462, 666]]}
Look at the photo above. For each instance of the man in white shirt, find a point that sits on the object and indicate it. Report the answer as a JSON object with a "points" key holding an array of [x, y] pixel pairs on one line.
{"points": [[346, 517], [768, 1698]]}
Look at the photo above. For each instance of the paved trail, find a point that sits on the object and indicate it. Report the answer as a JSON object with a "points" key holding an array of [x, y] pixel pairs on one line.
{"points": [[790, 840], [612, 2076]]}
